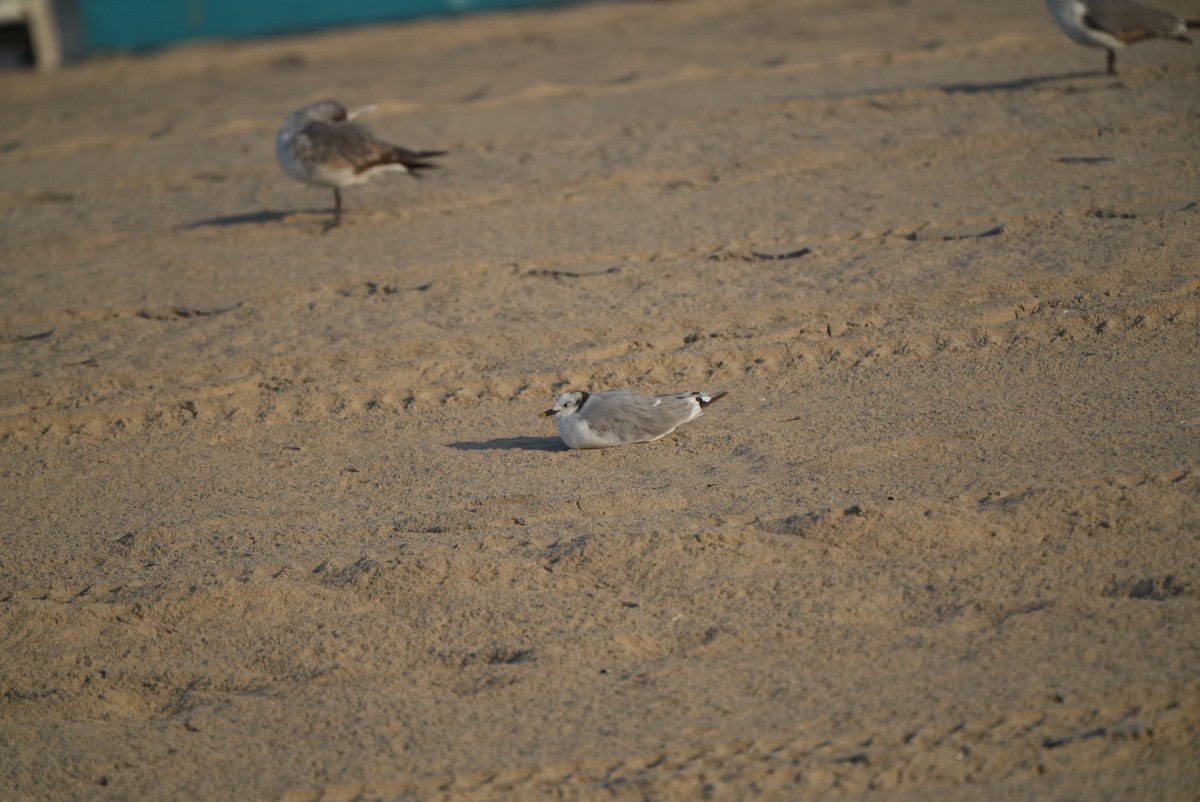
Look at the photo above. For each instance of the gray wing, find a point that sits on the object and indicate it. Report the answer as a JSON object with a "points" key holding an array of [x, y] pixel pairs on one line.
{"points": [[1129, 21], [634, 417], [353, 146]]}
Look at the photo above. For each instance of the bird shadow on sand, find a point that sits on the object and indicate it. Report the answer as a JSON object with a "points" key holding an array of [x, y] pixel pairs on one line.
{"points": [[1017, 84], [511, 444], [250, 218], [967, 87]]}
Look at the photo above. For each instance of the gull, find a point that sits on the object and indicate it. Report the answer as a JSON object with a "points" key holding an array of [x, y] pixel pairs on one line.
{"points": [[620, 417], [321, 145], [1112, 24]]}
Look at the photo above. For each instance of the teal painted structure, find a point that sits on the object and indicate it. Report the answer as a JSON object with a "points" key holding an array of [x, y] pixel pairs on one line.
{"points": [[144, 24]]}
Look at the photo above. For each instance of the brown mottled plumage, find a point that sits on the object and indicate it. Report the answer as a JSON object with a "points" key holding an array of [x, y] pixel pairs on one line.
{"points": [[320, 145]]}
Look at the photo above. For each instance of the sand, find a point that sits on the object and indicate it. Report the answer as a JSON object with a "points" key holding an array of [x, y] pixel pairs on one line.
{"points": [[280, 521]]}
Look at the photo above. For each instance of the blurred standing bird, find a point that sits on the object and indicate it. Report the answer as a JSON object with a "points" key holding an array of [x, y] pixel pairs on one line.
{"points": [[1112, 24], [321, 145]]}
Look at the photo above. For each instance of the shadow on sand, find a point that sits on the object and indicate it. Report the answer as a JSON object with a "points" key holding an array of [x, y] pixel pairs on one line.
{"points": [[512, 443], [970, 87], [1017, 84], [250, 218]]}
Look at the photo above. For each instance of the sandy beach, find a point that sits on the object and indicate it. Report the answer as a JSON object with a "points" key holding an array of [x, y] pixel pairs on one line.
{"points": [[279, 519]]}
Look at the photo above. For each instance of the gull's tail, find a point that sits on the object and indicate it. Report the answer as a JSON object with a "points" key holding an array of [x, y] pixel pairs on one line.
{"points": [[415, 160]]}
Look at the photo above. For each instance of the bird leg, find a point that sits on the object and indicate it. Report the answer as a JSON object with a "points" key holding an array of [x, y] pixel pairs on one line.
{"points": [[1112, 61], [337, 211]]}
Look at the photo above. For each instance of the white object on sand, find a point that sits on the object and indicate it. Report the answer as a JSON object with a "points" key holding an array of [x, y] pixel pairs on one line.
{"points": [[1113, 24], [620, 417]]}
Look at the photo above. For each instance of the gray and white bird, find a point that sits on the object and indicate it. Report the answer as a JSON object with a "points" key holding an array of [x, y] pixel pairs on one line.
{"points": [[620, 417], [1113, 24], [321, 145]]}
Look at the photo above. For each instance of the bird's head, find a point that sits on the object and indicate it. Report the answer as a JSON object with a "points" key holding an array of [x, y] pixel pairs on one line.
{"points": [[567, 404]]}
